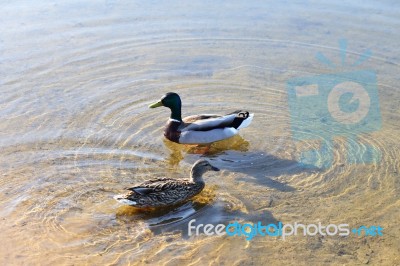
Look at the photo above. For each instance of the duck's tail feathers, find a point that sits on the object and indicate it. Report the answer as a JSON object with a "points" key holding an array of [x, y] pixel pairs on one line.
{"points": [[242, 120], [246, 122], [123, 199]]}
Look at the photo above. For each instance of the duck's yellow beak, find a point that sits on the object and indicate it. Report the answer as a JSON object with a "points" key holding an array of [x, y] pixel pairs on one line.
{"points": [[155, 105]]}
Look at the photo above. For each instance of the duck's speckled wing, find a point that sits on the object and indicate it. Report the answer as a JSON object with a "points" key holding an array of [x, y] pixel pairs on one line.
{"points": [[209, 128], [160, 192], [194, 118], [207, 122], [157, 185]]}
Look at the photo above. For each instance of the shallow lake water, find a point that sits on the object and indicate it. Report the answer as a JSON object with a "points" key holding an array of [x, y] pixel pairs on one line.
{"points": [[75, 129]]}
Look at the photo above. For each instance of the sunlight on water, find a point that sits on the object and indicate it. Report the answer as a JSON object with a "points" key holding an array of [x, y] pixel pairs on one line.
{"points": [[75, 129]]}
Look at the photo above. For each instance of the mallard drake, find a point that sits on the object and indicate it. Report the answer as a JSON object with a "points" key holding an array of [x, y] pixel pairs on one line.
{"points": [[200, 129], [167, 191]]}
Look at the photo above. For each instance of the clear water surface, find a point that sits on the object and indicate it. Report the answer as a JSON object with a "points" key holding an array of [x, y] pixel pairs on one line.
{"points": [[76, 79]]}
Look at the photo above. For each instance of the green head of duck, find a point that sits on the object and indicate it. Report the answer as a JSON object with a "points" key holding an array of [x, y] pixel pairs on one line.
{"points": [[173, 102]]}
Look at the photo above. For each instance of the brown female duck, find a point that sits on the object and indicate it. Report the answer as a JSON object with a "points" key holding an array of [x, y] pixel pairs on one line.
{"points": [[167, 191]]}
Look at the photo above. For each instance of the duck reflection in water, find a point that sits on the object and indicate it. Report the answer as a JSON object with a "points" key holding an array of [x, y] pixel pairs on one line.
{"points": [[178, 151]]}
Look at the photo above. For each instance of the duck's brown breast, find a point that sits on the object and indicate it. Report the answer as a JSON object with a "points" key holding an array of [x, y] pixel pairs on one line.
{"points": [[172, 132]]}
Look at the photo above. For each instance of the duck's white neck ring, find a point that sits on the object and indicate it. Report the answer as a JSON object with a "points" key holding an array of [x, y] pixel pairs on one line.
{"points": [[174, 120]]}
